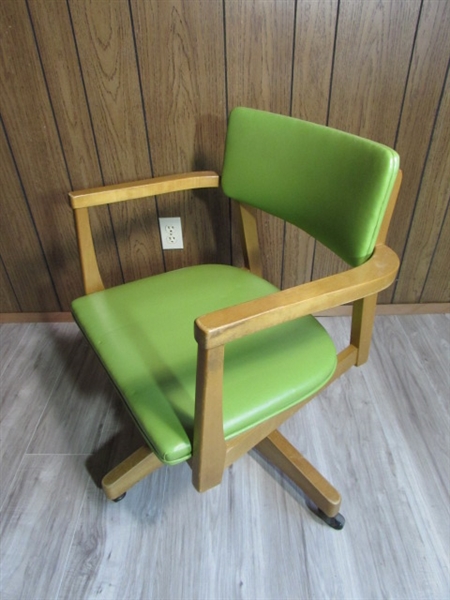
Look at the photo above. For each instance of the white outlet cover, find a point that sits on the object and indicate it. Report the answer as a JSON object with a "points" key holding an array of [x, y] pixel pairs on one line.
{"points": [[171, 233]]}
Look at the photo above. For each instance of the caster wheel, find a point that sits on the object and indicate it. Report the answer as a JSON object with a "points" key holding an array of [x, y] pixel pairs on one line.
{"points": [[120, 497], [336, 522]]}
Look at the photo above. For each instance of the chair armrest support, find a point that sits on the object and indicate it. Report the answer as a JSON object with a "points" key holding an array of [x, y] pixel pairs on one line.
{"points": [[223, 326], [122, 192]]}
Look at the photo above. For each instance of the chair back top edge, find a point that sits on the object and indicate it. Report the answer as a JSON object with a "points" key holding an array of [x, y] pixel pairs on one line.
{"points": [[334, 185]]}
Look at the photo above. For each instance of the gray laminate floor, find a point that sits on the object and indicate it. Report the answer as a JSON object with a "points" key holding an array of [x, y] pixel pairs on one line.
{"points": [[380, 434]]}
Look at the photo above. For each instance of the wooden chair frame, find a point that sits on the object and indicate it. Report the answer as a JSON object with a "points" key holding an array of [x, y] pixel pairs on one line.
{"points": [[212, 454]]}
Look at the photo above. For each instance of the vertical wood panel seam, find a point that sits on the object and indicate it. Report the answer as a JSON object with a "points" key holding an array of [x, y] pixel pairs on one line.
{"points": [[408, 73], [144, 112], [294, 37], [80, 66], [10, 283], [138, 67], [52, 108], [225, 58], [282, 256], [58, 133], [330, 93], [333, 62], [227, 108], [419, 189], [441, 232], [30, 212], [94, 137], [397, 133]]}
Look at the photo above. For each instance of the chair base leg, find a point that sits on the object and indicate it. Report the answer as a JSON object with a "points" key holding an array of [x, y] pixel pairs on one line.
{"points": [[283, 455], [129, 472]]}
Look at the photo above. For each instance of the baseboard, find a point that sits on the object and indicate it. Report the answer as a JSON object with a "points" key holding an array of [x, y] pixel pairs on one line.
{"points": [[382, 309], [37, 317]]}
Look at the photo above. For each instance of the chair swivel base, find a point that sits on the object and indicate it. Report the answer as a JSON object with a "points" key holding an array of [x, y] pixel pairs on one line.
{"points": [[274, 447]]}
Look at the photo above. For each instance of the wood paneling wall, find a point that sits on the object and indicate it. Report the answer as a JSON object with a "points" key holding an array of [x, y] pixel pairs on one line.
{"points": [[96, 91]]}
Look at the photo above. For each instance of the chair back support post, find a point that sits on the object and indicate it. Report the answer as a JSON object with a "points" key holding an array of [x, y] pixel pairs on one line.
{"points": [[363, 314], [363, 317], [92, 279], [249, 239]]}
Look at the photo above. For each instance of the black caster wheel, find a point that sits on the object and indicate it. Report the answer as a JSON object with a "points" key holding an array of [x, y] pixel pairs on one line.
{"points": [[120, 497], [336, 522]]}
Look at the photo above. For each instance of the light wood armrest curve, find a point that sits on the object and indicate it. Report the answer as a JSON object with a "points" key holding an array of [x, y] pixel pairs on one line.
{"points": [[223, 326], [133, 190]]}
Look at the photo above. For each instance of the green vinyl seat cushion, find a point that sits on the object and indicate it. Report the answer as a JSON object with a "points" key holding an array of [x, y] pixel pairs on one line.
{"points": [[143, 332]]}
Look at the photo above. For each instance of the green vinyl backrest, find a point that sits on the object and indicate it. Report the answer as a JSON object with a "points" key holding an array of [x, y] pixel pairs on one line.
{"points": [[333, 185]]}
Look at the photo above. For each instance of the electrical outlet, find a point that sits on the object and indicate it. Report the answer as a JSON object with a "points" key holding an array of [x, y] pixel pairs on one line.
{"points": [[171, 234]]}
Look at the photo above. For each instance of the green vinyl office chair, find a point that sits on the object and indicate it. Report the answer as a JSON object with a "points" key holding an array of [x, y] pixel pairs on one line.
{"points": [[247, 356]]}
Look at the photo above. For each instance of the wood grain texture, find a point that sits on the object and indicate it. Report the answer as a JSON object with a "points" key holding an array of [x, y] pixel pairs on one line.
{"points": [[57, 49], [363, 314], [209, 447], [133, 190], [184, 98], [32, 516], [33, 136], [133, 469], [10, 347], [58, 53], [8, 300], [432, 350], [430, 210], [369, 35], [71, 423], [412, 389], [315, 38], [42, 372], [95, 92], [378, 433], [363, 397], [259, 45], [437, 284], [92, 280], [298, 257], [250, 239], [429, 64], [29, 276], [108, 61]]}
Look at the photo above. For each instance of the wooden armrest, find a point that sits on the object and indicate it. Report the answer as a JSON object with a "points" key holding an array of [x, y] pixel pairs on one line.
{"points": [[223, 326], [141, 189]]}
